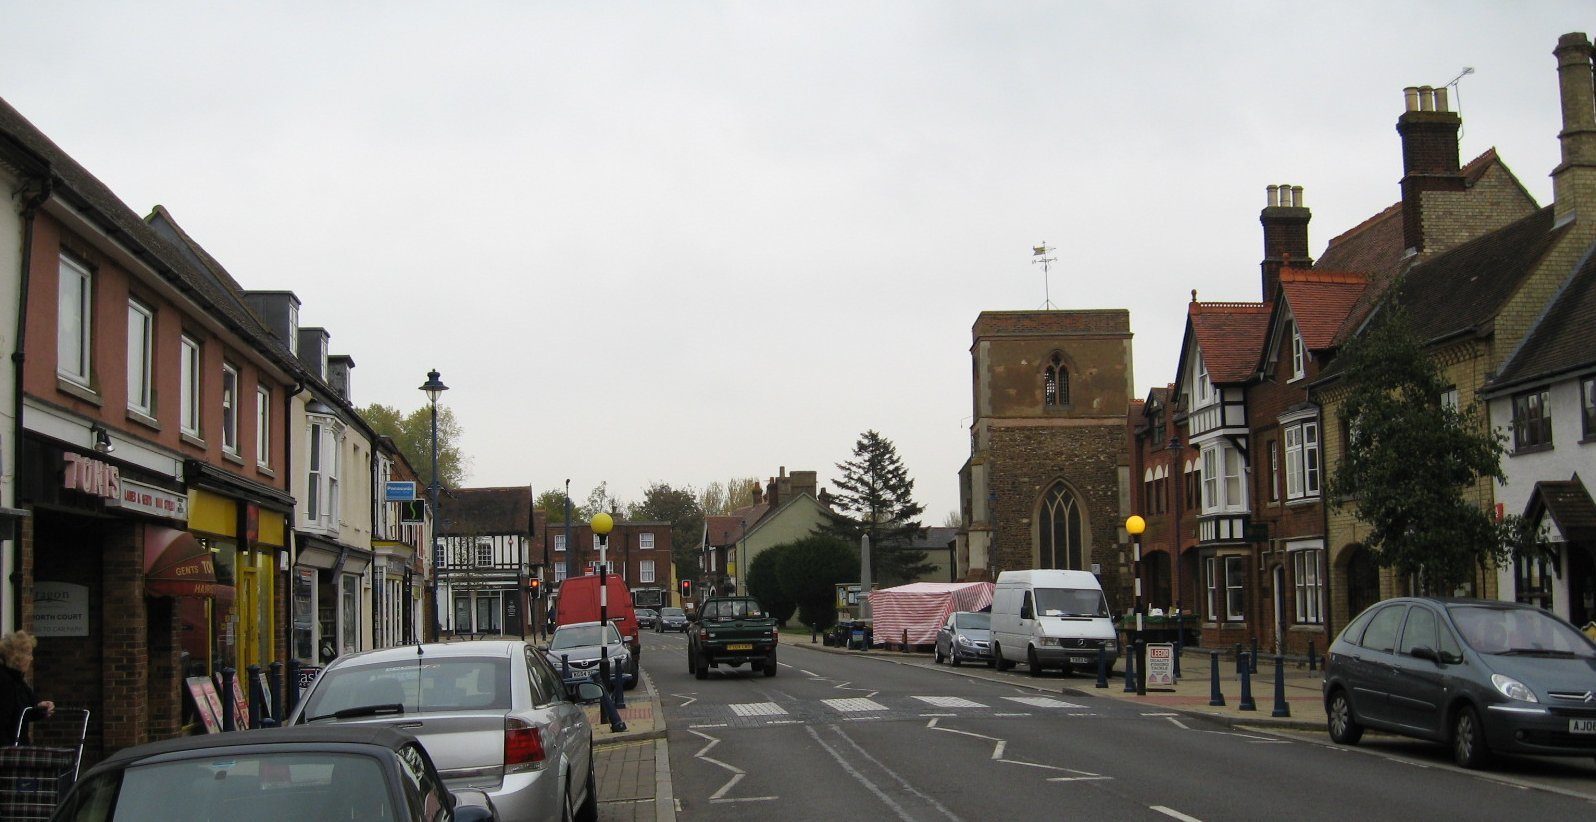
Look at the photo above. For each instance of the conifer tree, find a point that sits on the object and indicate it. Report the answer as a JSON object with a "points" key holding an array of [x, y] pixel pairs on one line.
{"points": [[876, 497]]}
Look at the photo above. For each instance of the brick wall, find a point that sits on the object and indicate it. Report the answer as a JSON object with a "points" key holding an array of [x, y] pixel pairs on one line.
{"points": [[126, 671]]}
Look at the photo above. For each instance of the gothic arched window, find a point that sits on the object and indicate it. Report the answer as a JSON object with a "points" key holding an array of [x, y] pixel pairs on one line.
{"points": [[1060, 523], [1056, 383]]}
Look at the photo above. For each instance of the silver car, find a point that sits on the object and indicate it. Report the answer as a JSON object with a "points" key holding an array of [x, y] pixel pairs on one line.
{"points": [[492, 714], [577, 650], [965, 636]]}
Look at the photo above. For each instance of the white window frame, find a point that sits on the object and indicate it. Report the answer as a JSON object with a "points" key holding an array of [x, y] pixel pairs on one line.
{"points": [[484, 557], [189, 374], [140, 358], [559, 543], [559, 572], [1449, 399], [229, 409], [1293, 462], [645, 570], [1307, 579], [263, 426], [1204, 386], [313, 462], [1235, 589], [645, 542], [75, 322], [1210, 479], [1274, 472], [1299, 354], [293, 328], [1212, 566]]}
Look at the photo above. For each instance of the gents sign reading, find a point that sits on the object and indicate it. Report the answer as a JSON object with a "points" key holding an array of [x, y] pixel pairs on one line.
{"points": [[91, 476]]}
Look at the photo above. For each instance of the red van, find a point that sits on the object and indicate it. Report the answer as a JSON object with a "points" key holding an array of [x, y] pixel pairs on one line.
{"points": [[578, 601]]}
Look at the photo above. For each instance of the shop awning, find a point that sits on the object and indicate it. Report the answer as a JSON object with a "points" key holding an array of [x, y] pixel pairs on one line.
{"points": [[177, 565]]}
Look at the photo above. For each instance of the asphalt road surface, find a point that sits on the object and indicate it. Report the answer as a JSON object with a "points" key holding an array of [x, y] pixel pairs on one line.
{"points": [[839, 736]]}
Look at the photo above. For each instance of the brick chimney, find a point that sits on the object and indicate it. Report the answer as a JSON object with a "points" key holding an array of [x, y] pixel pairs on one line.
{"points": [[1285, 224], [1429, 156], [1574, 179]]}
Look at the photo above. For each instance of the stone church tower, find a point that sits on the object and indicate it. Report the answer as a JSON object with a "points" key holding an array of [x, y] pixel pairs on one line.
{"points": [[1047, 481]]}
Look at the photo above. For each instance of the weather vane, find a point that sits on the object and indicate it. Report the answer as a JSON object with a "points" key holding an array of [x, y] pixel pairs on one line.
{"points": [[1039, 256]]}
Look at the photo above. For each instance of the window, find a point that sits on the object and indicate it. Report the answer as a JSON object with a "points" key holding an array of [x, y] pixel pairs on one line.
{"points": [[1302, 460], [75, 319], [1055, 383], [1060, 526], [1532, 581], [1235, 578], [1421, 630], [559, 572], [484, 552], [321, 493], [1234, 497], [559, 542], [1211, 479], [1532, 420], [189, 373], [293, 328], [140, 342], [1211, 578], [1203, 387], [645, 570], [1299, 356], [1274, 472], [313, 487], [1309, 586], [349, 625], [1587, 402], [229, 409], [645, 541], [1382, 632], [1193, 478], [438, 558], [263, 426], [1449, 399]]}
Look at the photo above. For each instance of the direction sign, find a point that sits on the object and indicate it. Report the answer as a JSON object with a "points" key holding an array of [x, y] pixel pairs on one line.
{"points": [[399, 491]]}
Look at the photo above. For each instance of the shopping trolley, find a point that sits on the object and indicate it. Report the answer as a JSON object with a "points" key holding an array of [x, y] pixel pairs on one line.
{"points": [[34, 778]]}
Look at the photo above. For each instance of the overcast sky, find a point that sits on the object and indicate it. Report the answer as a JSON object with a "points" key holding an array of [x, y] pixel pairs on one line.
{"points": [[689, 241]]}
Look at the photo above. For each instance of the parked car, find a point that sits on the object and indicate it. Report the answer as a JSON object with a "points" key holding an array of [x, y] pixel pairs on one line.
{"points": [[672, 619], [579, 602], [583, 646], [647, 617], [492, 713], [1481, 676], [317, 772], [965, 635]]}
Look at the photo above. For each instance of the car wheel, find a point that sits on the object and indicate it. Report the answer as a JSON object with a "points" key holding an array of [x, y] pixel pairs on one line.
{"points": [[702, 671], [770, 665], [1468, 740], [1032, 662], [589, 810], [692, 661], [991, 664], [936, 655], [954, 659], [1344, 727], [998, 660]]}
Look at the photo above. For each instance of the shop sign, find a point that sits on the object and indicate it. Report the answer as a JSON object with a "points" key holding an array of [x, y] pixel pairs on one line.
{"points": [[1160, 664], [398, 491], [140, 498], [60, 609], [91, 476]]}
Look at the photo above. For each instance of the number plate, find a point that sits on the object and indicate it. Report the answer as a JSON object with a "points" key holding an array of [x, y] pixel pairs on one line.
{"points": [[741, 647], [1582, 726]]}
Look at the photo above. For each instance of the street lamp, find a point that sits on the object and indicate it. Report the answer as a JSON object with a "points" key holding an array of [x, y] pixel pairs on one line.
{"points": [[602, 524], [433, 387], [1135, 525]]}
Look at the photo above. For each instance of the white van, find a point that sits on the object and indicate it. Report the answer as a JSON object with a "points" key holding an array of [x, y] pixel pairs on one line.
{"points": [[1051, 619]]}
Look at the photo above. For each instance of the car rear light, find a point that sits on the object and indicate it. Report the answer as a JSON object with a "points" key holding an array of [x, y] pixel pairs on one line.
{"points": [[703, 634], [523, 745], [775, 633]]}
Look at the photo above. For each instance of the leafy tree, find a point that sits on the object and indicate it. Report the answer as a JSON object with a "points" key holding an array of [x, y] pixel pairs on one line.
{"points": [[679, 507], [952, 520], [412, 432], [876, 497], [719, 499], [1411, 460], [552, 504], [809, 570], [764, 583], [598, 499]]}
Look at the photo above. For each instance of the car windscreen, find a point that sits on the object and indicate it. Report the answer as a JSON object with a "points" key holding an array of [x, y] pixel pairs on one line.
{"points": [[579, 635], [1519, 632], [1070, 602], [244, 787], [974, 622], [420, 686]]}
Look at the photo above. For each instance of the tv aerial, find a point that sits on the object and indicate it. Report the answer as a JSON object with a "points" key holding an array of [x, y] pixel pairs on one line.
{"points": [[1039, 256]]}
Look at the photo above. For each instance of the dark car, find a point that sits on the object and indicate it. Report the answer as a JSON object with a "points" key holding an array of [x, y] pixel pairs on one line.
{"points": [[647, 617], [965, 636], [1481, 676], [672, 619], [732, 631], [365, 772]]}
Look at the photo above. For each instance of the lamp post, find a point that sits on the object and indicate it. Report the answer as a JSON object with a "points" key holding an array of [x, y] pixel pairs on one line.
{"points": [[602, 524], [1135, 525], [433, 387]]}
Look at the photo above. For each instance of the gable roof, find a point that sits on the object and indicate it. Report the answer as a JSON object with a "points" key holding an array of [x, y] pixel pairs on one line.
{"points": [[1320, 302], [1560, 341], [1568, 504], [485, 511], [723, 530], [1231, 335]]}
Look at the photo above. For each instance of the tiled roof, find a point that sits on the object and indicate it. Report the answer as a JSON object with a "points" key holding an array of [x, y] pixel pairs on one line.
{"points": [[1320, 301], [1569, 505], [1560, 341], [937, 536], [484, 511], [1231, 336], [1465, 287], [723, 530]]}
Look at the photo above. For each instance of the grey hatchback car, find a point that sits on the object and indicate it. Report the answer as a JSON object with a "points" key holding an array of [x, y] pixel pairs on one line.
{"points": [[492, 715], [1481, 676], [965, 635]]}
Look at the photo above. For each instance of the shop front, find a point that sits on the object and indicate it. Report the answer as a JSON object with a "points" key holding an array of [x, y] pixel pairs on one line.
{"points": [[329, 599]]}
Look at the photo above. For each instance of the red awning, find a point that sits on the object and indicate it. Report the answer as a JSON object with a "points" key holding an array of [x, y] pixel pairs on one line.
{"points": [[177, 565]]}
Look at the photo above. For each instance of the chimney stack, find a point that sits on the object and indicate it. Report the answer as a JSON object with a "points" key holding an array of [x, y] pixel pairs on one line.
{"points": [[1285, 223], [1429, 156], [1574, 179]]}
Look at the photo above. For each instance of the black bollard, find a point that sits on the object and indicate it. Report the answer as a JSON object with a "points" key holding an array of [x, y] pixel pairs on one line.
{"points": [[274, 681], [1102, 667], [1141, 667], [1216, 698], [620, 685], [1179, 643], [565, 666], [1252, 661], [1130, 668], [291, 688], [229, 723], [1240, 660], [257, 697], [1246, 703], [1313, 662], [1281, 706]]}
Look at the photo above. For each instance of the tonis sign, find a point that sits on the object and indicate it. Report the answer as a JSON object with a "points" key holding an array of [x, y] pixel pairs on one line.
{"points": [[91, 476]]}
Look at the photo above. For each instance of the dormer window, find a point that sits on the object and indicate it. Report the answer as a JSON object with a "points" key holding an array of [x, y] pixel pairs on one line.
{"points": [[1055, 383]]}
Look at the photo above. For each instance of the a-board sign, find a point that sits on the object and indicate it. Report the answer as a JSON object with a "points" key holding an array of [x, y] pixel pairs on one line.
{"points": [[206, 702], [240, 705], [263, 686], [1160, 664]]}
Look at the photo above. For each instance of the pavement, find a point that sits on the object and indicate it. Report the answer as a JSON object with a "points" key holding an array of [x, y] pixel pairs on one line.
{"points": [[633, 765]]}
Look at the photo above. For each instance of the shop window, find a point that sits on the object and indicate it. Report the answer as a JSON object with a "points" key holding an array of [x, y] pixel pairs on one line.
{"points": [[1532, 578]]}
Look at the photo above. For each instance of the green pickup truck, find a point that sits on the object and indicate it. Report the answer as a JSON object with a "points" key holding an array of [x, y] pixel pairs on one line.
{"points": [[731, 631]]}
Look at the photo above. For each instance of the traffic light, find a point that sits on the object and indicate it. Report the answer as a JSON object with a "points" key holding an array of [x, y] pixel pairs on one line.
{"points": [[687, 589], [534, 587]]}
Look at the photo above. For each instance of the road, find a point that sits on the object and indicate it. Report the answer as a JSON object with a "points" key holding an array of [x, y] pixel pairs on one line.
{"points": [[844, 736]]}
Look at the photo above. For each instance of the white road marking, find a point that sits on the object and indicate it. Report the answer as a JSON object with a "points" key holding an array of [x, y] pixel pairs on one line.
{"points": [[758, 709], [1174, 813], [785, 722], [860, 778], [1001, 747], [690, 700], [853, 705], [871, 695], [1024, 714], [737, 773], [1042, 702], [949, 702], [923, 716], [900, 780], [1179, 724], [811, 673], [1162, 714], [1077, 778], [720, 725]]}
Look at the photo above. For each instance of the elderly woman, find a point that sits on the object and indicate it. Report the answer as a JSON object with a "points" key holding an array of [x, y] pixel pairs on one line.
{"points": [[16, 656]]}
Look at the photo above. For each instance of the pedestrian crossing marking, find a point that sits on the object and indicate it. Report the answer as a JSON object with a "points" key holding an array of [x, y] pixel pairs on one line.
{"points": [[854, 705], [1042, 702], [949, 702], [758, 709]]}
